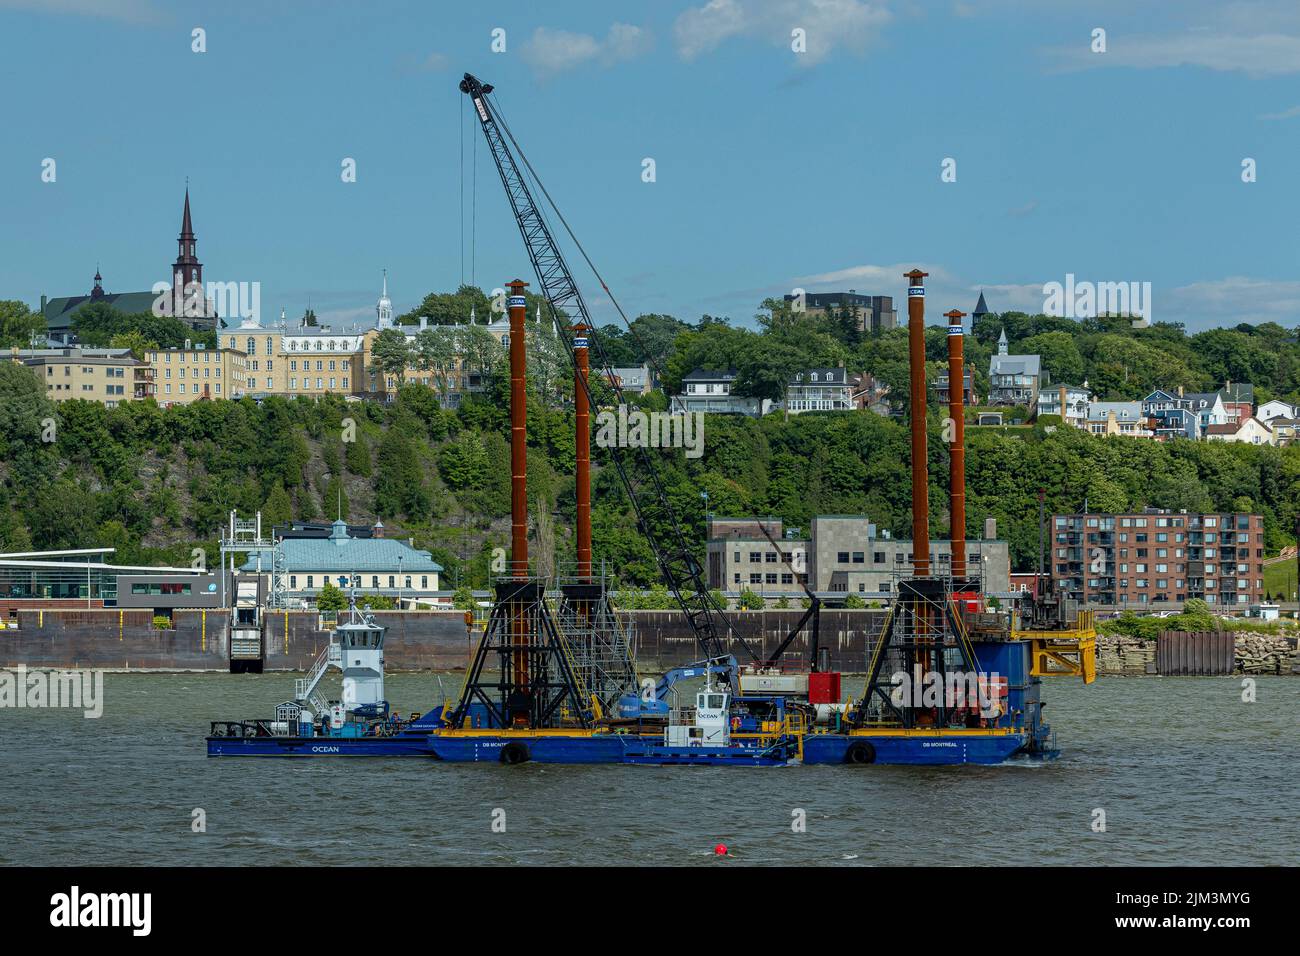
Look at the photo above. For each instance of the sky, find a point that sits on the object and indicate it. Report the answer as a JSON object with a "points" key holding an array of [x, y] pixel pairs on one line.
{"points": [[774, 168]]}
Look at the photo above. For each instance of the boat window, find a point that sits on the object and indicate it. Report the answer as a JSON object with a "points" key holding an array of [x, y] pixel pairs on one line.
{"points": [[716, 701]]}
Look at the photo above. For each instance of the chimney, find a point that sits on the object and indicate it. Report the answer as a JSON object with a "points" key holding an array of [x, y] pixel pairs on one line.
{"points": [[920, 470], [582, 445], [1180, 391], [957, 455], [990, 529]]}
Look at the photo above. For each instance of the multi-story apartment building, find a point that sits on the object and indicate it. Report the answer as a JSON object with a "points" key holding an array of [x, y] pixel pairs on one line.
{"points": [[819, 390], [191, 374], [108, 376], [841, 554], [1159, 556]]}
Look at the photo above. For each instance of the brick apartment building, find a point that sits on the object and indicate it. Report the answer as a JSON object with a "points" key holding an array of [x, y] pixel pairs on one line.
{"points": [[1159, 556]]}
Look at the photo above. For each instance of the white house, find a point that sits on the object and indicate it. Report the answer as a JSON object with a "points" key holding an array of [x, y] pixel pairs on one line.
{"points": [[1250, 430], [1275, 409]]}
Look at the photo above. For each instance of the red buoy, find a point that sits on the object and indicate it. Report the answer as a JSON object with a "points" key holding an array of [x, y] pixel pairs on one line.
{"points": [[720, 850]]}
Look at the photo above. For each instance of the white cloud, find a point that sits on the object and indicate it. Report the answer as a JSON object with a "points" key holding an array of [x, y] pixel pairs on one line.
{"points": [[1285, 114], [1235, 299], [128, 11], [828, 25], [550, 51], [432, 63], [1214, 47]]}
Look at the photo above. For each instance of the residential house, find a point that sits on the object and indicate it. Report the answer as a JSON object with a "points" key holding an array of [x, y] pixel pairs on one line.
{"points": [[710, 391], [1276, 409], [1171, 415], [1014, 379], [1208, 406], [633, 380], [870, 394], [1238, 400], [1068, 401], [1284, 430], [1249, 430], [969, 397], [1118, 418], [819, 390]]}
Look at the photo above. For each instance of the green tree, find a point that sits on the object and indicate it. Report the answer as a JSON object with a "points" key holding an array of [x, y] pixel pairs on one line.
{"points": [[331, 598]]}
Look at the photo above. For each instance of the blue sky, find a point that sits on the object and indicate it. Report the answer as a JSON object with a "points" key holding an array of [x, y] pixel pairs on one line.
{"points": [[774, 169]]}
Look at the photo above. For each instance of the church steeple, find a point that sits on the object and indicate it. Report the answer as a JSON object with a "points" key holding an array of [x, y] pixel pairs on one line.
{"points": [[98, 292], [187, 268], [1002, 342], [384, 308]]}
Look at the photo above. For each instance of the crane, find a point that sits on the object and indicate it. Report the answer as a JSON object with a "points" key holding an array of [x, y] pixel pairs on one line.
{"points": [[636, 467]]}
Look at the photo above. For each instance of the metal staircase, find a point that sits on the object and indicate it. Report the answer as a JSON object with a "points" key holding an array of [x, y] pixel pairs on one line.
{"points": [[304, 688]]}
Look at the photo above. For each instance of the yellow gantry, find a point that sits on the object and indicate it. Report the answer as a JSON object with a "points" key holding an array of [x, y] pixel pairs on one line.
{"points": [[1071, 653]]}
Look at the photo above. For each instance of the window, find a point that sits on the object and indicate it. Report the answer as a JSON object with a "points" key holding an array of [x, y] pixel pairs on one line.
{"points": [[859, 557], [842, 557], [310, 582]]}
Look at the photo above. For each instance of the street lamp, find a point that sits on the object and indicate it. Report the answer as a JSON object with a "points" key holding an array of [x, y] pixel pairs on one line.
{"points": [[399, 582]]}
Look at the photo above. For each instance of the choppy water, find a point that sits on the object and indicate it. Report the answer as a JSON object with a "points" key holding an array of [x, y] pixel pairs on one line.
{"points": [[1186, 773]]}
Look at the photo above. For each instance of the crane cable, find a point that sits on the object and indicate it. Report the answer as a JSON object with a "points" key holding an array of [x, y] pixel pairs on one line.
{"points": [[645, 352]]}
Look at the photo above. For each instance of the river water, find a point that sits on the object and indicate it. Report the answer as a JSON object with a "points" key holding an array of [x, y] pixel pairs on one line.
{"points": [[1185, 772]]}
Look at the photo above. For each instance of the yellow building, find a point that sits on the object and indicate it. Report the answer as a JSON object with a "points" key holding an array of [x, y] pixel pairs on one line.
{"points": [[107, 376], [298, 360], [187, 375]]}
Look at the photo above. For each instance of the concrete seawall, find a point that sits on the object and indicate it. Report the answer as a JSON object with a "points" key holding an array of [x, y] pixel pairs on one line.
{"points": [[416, 640]]}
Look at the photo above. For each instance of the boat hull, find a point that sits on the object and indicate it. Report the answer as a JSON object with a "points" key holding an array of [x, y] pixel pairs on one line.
{"points": [[414, 745], [913, 748], [590, 749]]}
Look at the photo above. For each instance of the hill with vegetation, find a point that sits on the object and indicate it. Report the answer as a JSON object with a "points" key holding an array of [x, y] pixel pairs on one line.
{"points": [[154, 483]]}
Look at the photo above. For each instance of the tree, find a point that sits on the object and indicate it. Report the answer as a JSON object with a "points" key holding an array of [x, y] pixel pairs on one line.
{"points": [[277, 509], [331, 598], [392, 353], [134, 340], [749, 601], [18, 324]]}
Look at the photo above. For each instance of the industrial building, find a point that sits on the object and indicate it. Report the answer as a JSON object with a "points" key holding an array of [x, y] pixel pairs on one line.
{"points": [[840, 554], [83, 578], [1159, 556]]}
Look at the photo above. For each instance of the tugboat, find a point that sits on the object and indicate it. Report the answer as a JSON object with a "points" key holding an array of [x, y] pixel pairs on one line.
{"points": [[703, 735], [359, 725]]}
